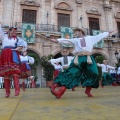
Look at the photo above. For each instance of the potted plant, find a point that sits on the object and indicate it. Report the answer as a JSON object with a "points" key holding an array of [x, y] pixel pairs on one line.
{"points": [[48, 69]]}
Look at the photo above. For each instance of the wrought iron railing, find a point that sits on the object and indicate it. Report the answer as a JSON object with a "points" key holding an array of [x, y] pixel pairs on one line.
{"points": [[54, 28], [117, 35], [41, 27]]}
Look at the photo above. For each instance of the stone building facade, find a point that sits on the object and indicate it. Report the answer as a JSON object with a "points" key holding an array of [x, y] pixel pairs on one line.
{"points": [[103, 15]]}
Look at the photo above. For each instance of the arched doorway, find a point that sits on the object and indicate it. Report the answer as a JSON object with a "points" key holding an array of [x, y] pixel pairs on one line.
{"points": [[98, 54], [60, 55], [38, 71]]}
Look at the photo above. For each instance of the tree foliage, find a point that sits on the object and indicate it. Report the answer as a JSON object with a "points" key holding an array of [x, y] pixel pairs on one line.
{"points": [[99, 59], [48, 69]]}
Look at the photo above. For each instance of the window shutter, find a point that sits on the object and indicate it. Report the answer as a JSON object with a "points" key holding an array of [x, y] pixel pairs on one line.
{"points": [[118, 26], [94, 24], [29, 16], [63, 20]]}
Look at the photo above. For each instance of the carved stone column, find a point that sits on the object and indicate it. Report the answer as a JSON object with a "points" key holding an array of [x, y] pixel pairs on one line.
{"points": [[79, 13], [108, 16], [109, 25], [8, 12]]}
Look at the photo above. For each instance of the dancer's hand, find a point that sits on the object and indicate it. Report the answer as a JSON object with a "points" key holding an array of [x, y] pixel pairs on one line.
{"points": [[112, 31], [53, 40], [18, 48], [13, 49]]}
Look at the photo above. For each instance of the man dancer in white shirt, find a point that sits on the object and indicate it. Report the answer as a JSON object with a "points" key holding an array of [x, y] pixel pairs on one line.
{"points": [[106, 77], [65, 61], [83, 69]]}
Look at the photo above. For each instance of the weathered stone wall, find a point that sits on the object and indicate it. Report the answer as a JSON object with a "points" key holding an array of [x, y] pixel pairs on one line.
{"points": [[108, 12]]}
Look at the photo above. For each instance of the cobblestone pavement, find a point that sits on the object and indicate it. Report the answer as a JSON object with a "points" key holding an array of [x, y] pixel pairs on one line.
{"points": [[40, 104]]}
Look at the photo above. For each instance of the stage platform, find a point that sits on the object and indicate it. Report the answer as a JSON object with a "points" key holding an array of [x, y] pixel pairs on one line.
{"points": [[40, 104]]}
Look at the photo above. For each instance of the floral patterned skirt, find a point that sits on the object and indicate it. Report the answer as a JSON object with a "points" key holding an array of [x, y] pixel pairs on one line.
{"points": [[25, 70], [9, 62]]}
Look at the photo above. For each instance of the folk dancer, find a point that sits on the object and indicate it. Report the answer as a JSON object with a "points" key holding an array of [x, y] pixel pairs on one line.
{"points": [[65, 61], [83, 68], [118, 76], [106, 76], [9, 59], [25, 68]]}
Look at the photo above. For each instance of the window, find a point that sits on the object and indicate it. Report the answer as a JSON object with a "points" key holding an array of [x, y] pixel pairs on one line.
{"points": [[63, 20], [93, 24], [29, 16], [118, 26]]}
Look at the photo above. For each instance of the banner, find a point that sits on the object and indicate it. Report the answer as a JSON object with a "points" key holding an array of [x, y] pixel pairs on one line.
{"points": [[66, 32], [99, 44], [28, 32]]}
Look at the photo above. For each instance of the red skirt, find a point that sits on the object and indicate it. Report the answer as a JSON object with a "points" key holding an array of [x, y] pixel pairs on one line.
{"points": [[25, 73], [56, 72], [7, 65]]}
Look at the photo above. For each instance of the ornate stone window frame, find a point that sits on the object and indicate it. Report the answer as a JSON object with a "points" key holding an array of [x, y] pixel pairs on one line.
{"points": [[93, 11], [94, 16], [58, 6], [25, 4], [63, 10], [29, 3], [117, 15]]}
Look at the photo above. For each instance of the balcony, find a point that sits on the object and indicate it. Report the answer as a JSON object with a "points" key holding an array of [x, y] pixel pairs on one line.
{"points": [[50, 28], [42, 27], [117, 35]]}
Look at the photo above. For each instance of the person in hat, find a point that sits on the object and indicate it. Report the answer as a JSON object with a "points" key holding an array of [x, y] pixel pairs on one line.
{"points": [[83, 68], [106, 77], [25, 70], [9, 58]]}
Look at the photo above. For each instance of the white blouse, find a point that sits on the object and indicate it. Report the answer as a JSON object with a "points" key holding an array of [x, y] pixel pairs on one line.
{"points": [[61, 60], [27, 58], [118, 71], [113, 71], [90, 41], [12, 42], [105, 67]]}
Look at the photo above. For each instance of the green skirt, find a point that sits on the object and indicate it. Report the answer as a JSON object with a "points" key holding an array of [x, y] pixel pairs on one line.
{"points": [[83, 73], [107, 79]]}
